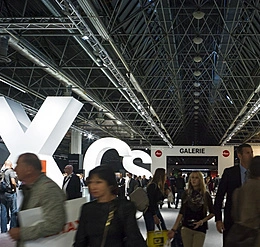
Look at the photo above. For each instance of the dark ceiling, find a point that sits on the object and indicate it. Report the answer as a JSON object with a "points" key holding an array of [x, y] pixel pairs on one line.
{"points": [[136, 67]]}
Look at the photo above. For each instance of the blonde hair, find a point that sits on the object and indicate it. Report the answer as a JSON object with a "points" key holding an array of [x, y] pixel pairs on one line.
{"points": [[202, 187]]}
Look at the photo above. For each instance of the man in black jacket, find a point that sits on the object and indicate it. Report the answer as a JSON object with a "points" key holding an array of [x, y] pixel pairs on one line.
{"points": [[71, 183], [232, 178], [180, 186]]}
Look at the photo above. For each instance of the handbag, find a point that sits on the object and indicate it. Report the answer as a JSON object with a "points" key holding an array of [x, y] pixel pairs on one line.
{"points": [[157, 238]]}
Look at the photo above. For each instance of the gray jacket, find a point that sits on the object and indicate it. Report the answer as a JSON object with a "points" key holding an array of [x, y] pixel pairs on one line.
{"points": [[47, 194]]}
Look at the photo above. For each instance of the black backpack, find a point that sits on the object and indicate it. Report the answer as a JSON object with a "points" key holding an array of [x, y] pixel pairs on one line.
{"points": [[3, 185]]}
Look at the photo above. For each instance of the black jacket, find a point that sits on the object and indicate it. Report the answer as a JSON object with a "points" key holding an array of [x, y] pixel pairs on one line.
{"points": [[230, 180], [123, 230], [73, 188]]}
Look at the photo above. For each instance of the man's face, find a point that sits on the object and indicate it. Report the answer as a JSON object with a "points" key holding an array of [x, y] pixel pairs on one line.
{"points": [[246, 156], [68, 170]]}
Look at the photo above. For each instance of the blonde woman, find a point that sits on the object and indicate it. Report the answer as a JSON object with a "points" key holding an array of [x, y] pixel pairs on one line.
{"points": [[196, 209]]}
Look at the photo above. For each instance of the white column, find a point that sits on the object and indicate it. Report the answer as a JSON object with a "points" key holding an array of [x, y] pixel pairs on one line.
{"points": [[76, 142]]}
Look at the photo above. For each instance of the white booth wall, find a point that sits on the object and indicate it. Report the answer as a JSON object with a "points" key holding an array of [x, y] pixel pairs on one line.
{"points": [[225, 155]]}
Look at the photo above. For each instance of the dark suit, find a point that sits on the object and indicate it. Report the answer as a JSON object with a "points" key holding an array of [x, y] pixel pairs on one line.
{"points": [[132, 185], [231, 179], [121, 187], [73, 187]]}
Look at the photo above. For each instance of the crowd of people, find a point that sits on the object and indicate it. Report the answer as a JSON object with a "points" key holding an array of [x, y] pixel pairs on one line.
{"points": [[109, 219]]}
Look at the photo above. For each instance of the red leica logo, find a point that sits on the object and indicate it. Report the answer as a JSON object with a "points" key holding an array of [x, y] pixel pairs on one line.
{"points": [[158, 153], [225, 153]]}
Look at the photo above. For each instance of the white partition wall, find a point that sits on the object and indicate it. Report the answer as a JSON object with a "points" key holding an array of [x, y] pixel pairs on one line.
{"points": [[225, 154]]}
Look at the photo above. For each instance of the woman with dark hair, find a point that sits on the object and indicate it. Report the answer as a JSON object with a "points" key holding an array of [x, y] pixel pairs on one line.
{"points": [[107, 221], [196, 209], [155, 192]]}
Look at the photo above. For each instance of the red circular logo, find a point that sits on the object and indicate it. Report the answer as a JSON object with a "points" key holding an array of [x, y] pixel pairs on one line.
{"points": [[226, 153], [158, 153]]}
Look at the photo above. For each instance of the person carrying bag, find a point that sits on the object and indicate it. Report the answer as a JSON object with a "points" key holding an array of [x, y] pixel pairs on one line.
{"points": [[158, 238]]}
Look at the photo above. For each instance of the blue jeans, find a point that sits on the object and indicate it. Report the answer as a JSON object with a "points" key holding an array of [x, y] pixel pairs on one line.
{"points": [[3, 216], [149, 221], [11, 204]]}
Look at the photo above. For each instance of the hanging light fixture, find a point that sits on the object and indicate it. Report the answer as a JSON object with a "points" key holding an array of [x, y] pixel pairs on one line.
{"points": [[198, 15], [196, 94], [197, 40], [196, 84], [197, 73], [196, 107], [197, 59], [196, 101]]}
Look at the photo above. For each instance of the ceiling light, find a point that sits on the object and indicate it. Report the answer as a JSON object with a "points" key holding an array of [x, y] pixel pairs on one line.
{"points": [[196, 93], [90, 136], [197, 59], [85, 37], [198, 14], [196, 84], [197, 73], [196, 117], [196, 107], [197, 40], [196, 112], [196, 101]]}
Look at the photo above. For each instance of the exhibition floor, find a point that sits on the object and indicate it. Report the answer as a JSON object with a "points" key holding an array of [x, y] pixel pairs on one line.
{"points": [[213, 238]]}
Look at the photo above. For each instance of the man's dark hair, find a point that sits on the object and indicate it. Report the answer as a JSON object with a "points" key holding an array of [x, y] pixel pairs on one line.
{"points": [[31, 160], [240, 147]]}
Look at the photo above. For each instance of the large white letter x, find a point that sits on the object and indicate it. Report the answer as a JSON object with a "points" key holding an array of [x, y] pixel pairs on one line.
{"points": [[41, 136]]}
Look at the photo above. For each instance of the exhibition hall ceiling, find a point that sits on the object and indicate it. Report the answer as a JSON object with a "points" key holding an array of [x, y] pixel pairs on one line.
{"points": [[149, 72]]}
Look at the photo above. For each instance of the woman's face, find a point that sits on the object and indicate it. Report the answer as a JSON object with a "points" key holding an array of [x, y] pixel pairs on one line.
{"points": [[98, 187], [194, 180]]}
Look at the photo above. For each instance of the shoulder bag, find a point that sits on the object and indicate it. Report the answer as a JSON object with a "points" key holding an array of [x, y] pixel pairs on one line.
{"points": [[109, 219]]}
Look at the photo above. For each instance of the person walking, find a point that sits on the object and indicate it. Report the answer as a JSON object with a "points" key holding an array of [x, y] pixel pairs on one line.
{"points": [[71, 184], [232, 178], [155, 192], [246, 202], [180, 186], [10, 197], [38, 191], [196, 209], [108, 220]]}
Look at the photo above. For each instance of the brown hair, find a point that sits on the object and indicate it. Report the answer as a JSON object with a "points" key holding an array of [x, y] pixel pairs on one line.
{"points": [[159, 178]]}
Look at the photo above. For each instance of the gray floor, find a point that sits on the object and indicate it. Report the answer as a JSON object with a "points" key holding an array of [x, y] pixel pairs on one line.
{"points": [[213, 238]]}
